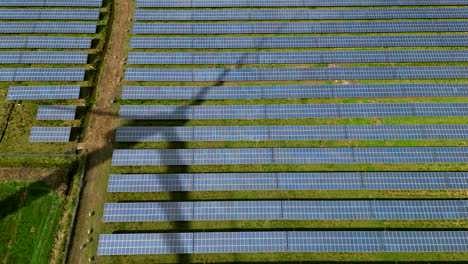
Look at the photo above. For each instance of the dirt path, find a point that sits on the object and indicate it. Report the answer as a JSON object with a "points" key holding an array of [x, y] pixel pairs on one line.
{"points": [[98, 143]]}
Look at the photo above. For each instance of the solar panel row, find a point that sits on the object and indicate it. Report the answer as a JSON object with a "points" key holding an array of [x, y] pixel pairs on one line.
{"points": [[47, 27], [264, 133], [370, 56], [297, 28], [45, 42], [298, 42], [56, 112], [41, 74], [155, 157], [49, 14], [292, 3], [305, 241], [295, 91], [41, 57], [74, 3], [43, 92], [300, 14], [50, 134], [320, 73], [288, 181], [174, 112], [285, 210]]}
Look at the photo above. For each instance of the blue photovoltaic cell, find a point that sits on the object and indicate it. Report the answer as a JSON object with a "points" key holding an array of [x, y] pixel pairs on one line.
{"points": [[288, 181], [264, 133], [298, 42], [285, 210], [295, 91], [291, 3], [290, 28], [40, 57], [43, 92], [233, 242], [300, 14], [41, 74], [49, 14], [146, 244], [45, 42], [73, 3], [305, 241], [172, 112], [56, 112], [47, 27], [50, 134], [155, 157], [373, 56], [273, 74]]}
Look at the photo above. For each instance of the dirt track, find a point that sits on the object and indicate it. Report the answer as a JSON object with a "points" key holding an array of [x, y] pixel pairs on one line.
{"points": [[98, 143]]}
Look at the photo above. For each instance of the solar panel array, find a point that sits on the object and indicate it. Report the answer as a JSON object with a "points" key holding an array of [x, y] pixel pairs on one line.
{"points": [[291, 241], [298, 42], [264, 133], [265, 209], [285, 210], [295, 91], [41, 74], [49, 14], [320, 73], [174, 112], [56, 112], [47, 27], [380, 56], [71, 3], [293, 3], [43, 92], [289, 28], [288, 181], [157, 157], [45, 42], [50, 134], [41, 57], [300, 14]]}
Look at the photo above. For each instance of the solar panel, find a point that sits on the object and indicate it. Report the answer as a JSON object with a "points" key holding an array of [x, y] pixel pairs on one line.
{"points": [[49, 14], [174, 112], [372, 56], [45, 42], [305, 241], [300, 14], [288, 181], [43, 92], [56, 112], [50, 134], [295, 91], [298, 42], [40, 57], [74, 3], [41, 74], [265, 133], [47, 27], [292, 3], [285, 210], [290, 28], [319, 73], [156, 157]]}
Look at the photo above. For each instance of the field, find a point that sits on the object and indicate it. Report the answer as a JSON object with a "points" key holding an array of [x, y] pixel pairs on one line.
{"points": [[37, 214], [99, 173]]}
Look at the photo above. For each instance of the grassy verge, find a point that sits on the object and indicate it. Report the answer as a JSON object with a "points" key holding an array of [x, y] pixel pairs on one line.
{"points": [[29, 223]]}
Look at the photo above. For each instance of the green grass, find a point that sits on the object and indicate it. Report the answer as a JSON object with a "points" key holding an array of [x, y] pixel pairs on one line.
{"points": [[28, 227]]}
